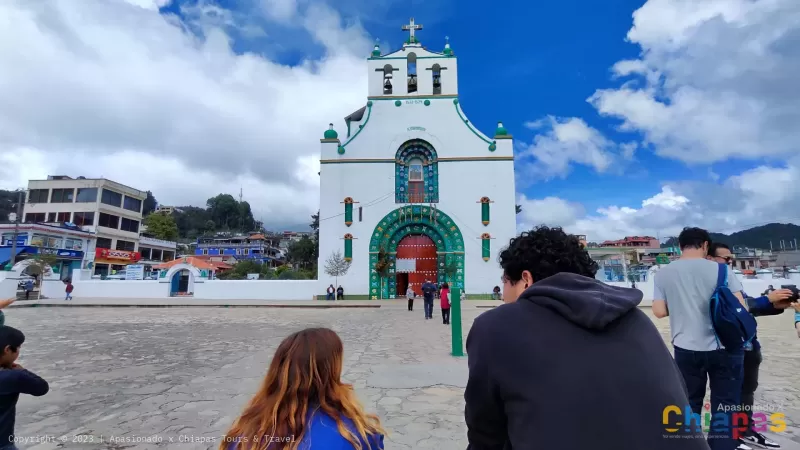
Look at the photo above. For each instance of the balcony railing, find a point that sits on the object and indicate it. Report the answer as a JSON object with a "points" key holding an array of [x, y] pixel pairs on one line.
{"points": [[417, 198]]}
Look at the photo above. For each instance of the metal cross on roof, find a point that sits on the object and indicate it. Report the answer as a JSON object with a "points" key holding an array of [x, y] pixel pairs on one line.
{"points": [[412, 27]]}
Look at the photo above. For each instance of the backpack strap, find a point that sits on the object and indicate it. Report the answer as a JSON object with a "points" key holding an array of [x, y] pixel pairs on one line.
{"points": [[722, 276]]}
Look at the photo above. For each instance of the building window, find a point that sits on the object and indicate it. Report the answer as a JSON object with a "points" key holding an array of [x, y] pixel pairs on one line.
{"points": [[416, 173], [168, 256], [246, 251], [221, 251], [156, 254], [132, 204], [62, 196], [108, 221], [35, 218], [111, 198], [103, 243], [73, 244], [86, 195], [51, 217], [205, 251], [127, 246], [38, 195], [129, 225], [63, 217], [238, 251], [39, 240], [83, 219], [145, 252]]}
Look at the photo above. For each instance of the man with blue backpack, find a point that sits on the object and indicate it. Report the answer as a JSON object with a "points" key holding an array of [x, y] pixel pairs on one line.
{"points": [[710, 326], [773, 302]]}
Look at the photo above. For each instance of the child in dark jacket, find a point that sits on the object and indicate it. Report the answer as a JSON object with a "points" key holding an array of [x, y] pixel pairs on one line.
{"points": [[14, 380]]}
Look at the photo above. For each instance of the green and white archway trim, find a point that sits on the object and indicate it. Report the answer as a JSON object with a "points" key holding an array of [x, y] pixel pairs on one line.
{"points": [[415, 219]]}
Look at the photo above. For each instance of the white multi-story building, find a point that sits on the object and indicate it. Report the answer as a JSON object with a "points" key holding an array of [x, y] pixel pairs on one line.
{"points": [[111, 210]]}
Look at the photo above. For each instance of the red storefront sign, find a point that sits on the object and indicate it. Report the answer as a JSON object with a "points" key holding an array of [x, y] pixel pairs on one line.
{"points": [[119, 255]]}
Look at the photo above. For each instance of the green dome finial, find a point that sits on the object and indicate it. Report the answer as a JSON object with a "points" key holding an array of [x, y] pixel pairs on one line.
{"points": [[447, 50], [501, 130], [376, 52], [330, 133]]}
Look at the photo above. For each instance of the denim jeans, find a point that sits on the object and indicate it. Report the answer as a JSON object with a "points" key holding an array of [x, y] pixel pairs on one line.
{"points": [[429, 308], [724, 371], [752, 362]]}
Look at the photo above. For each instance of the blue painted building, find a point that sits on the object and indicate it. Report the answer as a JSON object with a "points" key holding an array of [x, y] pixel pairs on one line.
{"points": [[255, 247], [68, 243]]}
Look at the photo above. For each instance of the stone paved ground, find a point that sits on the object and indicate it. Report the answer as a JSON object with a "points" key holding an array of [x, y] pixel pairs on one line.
{"points": [[185, 373]]}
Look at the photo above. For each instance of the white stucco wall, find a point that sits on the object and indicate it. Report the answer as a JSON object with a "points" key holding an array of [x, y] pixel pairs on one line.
{"points": [[468, 170], [257, 289]]}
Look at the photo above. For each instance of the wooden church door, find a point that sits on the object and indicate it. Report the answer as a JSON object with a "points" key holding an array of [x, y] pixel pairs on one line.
{"points": [[416, 262]]}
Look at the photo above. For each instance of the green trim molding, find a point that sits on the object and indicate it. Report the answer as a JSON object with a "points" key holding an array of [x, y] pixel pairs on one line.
{"points": [[360, 129], [384, 58], [415, 220], [422, 150], [412, 97], [471, 128], [442, 160]]}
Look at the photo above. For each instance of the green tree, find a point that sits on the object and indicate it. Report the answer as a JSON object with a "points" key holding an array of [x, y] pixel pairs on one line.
{"points": [[161, 226], [150, 204], [302, 252], [41, 263]]}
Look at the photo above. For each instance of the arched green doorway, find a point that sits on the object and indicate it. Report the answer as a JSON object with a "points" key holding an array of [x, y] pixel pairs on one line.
{"points": [[415, 220]]}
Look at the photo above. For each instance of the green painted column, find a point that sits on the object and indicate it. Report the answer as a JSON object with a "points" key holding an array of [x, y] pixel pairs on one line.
{"points": [[457, 341], [348, 247], [485, 213], [348, 211], [486, 249]]}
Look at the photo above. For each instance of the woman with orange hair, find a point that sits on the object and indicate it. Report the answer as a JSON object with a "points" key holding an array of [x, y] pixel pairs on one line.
{"points": [[303, 404]]}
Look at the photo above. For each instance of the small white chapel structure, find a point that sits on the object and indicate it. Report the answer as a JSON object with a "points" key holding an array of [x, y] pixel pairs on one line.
{"points": [[410, 190]]}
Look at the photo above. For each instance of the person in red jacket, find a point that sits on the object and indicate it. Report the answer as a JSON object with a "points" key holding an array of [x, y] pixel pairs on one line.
{"points": [[444, 298]]}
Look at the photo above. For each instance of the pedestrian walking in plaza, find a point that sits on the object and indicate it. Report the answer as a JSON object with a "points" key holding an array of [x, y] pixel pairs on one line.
{"points": [[28, 289], [410, 295], [14, 380], [304, 402], [68, 289], [428, 291], [330, 293], [772, 302], [3, 304], [567, 349], [444, 300], [340, 293], [682, 291]]}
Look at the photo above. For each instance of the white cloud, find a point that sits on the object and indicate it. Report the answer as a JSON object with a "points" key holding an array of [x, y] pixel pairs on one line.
{"points": [[758, 196], [560, 143], [720, 79], [115, 89]]}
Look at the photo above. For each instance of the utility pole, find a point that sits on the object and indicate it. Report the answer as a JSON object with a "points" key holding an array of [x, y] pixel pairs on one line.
{"points": [[13, 255]]}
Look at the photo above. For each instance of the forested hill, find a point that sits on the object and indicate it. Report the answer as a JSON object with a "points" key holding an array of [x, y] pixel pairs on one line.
{"points": [[758, 237]]}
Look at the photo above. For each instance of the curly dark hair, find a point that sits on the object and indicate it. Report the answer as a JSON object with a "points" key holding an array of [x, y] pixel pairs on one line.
{"points": [[543, 252]]}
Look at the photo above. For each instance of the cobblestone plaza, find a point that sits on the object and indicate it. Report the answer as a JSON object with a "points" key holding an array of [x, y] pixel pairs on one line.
{"points": [[176, 377]]}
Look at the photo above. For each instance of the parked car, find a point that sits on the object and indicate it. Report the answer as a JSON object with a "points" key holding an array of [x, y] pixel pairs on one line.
{"points": [[24, 279]]}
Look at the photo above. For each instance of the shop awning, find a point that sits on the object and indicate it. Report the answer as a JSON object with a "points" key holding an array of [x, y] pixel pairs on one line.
{"points": [[5, 254]]}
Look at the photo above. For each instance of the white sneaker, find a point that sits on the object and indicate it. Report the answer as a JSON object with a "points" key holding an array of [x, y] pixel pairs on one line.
{"points": [[759, 440], [744, 447]]}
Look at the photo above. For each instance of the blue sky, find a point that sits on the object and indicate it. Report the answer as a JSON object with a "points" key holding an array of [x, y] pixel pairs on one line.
{"points": [[629, 117]]}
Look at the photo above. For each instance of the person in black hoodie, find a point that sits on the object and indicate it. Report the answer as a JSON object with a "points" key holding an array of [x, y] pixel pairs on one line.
{"points": [[14, 380], [569, 362]]}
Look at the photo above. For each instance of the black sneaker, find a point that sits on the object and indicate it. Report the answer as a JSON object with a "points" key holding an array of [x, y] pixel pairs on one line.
{"points": [[758, 439]]}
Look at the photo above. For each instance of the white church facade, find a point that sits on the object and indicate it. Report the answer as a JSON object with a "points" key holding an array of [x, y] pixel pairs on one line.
{"points": [[409, 189]]}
